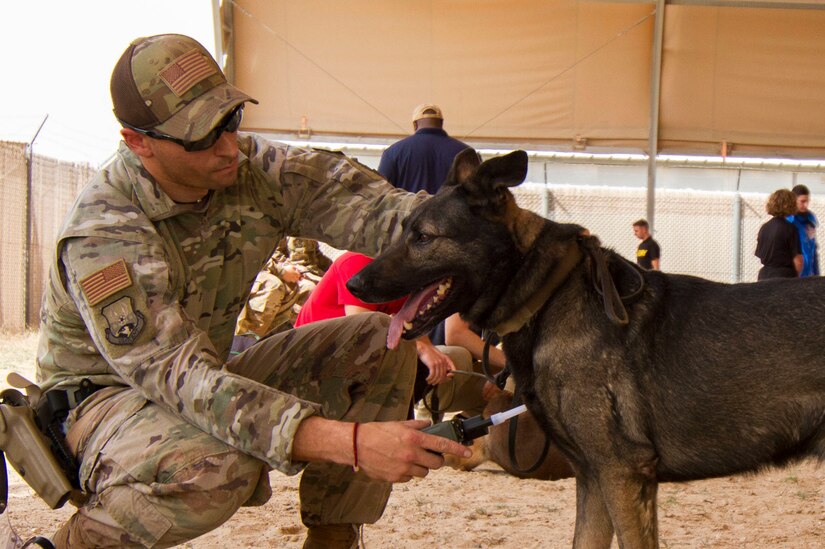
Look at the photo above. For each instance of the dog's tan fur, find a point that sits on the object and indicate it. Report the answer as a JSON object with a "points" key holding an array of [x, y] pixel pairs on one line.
{"points": [[529, 444]]}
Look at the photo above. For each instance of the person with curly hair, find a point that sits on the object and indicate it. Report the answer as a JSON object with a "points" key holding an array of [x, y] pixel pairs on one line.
{"points": [[777, 244]]}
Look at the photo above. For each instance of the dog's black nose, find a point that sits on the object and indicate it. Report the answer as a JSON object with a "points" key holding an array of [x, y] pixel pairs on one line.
{"points": [[356, 285]]}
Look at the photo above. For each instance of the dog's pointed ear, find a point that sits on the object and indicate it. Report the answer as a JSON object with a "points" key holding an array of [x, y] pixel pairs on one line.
{"points": [[488, 187], [503, 171], [464, 166]]}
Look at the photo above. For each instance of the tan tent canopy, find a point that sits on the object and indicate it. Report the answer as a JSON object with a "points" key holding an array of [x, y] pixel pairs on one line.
{"points": [[736, 77]]}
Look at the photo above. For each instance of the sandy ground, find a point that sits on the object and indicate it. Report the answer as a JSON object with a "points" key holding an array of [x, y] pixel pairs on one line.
{"points": [[782, 508]]}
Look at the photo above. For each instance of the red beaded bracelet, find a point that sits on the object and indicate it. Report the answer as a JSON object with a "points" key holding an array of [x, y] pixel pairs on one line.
{"points": [[355, 466]]}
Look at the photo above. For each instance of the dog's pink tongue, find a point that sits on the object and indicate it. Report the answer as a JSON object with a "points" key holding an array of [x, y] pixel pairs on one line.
{"points": [[406, 314]]}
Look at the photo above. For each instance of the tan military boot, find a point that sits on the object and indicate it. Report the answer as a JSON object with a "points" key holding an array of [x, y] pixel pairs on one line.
{"points": [[332, 536]]}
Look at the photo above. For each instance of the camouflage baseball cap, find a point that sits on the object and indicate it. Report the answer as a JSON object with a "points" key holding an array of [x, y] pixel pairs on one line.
{"points": [[171, 84]]}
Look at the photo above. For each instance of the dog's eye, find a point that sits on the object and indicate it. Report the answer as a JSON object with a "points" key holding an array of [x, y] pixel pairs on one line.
{"points": [[424, 238]]}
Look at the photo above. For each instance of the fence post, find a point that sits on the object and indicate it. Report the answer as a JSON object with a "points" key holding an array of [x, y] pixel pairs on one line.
{"points": [[737, 237], [546, 195], [28, 237]]}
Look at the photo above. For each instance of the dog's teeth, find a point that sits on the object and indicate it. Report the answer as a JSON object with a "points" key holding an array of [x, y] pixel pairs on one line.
{"points": [[408, 325]]}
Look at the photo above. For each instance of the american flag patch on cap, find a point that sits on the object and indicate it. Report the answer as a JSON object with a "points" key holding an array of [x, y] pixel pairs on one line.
{"points": [[101, 284], [186, 71]]}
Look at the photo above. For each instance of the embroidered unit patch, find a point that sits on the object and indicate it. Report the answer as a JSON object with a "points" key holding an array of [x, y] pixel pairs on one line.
{"points": [[186, 71], [125, 324], [101, 284]]}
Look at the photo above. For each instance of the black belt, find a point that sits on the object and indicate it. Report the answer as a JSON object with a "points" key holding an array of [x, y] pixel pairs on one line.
{"points": [[69, 397]]}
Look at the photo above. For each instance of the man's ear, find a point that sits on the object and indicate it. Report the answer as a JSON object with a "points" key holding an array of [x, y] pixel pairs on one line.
{"points": [[137, 142]]}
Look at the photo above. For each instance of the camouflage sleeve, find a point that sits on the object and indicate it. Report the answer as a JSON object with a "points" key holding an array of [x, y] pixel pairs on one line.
{"points": [[334, 198], [123, 294], [307, 253], [279, 258], [301, 251]]}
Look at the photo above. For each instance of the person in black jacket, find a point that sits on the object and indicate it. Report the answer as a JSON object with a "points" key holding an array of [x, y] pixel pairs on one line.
{"points": [[777, 244]]}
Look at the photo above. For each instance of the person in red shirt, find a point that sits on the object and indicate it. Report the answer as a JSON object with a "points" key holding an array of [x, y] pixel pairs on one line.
{"points": [[331, 299]]}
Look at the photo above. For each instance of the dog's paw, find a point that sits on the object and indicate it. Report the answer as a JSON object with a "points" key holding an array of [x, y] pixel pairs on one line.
{"points": [[468, 464]]}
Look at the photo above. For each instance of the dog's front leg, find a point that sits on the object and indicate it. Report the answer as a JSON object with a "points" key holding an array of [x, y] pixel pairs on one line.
{"points": [[593, 526], [631, 502]]}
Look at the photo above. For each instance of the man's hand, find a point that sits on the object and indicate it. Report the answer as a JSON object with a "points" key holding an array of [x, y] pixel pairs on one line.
{"points": [[397, 451], [291, 274], [437, 362], [394, 451]]}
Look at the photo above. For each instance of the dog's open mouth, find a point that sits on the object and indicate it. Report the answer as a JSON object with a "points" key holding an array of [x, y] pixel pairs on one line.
{"points": [[419, 312]]}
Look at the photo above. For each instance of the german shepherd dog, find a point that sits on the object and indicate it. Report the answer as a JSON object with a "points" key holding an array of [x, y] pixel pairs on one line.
{"points": [[638, 376]]}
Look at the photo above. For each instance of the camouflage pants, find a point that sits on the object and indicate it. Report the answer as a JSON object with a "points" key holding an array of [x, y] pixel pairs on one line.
{"points": [[155, 480], [462, 392]]}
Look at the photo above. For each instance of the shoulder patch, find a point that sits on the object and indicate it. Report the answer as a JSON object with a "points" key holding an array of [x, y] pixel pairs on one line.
{"points": [[107, 281], [125, 324]]}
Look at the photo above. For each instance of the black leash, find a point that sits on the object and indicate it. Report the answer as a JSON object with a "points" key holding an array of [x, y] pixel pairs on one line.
{"points": [[4, 483], [500, 380], [614, 304], [511, 443], [434, 407]]}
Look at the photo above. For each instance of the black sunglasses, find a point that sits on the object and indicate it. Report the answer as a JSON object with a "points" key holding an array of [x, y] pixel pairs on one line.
{"points": [[230, 123]]}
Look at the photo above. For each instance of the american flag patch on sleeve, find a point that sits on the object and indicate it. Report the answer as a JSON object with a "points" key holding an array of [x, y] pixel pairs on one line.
{"points": [[101, 284]]}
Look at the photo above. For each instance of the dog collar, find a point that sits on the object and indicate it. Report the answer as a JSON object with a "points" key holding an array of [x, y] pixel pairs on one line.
{"points": [[539, 298], [602, 281]]}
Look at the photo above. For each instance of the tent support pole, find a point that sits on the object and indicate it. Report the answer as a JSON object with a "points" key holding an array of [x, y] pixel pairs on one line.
{"points": [[655, 88]]}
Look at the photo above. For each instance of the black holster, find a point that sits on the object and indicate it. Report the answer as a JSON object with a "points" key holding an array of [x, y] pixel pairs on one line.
{"points": [[51, 413]]}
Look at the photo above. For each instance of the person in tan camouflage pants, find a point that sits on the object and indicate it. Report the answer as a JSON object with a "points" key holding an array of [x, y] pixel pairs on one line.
{"points": [[151, 269], [281, 289]]}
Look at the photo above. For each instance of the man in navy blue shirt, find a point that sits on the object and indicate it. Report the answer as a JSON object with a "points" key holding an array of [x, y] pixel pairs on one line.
{"points": [[422, 160]]}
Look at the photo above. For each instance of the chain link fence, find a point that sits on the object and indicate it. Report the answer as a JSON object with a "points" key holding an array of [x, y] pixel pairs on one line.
{"points": [[702, 232]]}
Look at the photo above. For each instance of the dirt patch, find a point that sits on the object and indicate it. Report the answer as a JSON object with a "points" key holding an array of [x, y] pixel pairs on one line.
{"points": [[778, 508]]}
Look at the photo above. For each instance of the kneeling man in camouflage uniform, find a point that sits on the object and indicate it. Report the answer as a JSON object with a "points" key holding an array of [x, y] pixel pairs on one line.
{"points": [[152, 267]]}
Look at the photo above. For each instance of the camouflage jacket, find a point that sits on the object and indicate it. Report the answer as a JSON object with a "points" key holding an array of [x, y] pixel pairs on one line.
{"points": [[307, 254], [145, 292]]}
